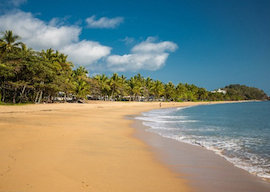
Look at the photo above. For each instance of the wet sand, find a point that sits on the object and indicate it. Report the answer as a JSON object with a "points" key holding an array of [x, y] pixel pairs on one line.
{"points": [[205, 170]]}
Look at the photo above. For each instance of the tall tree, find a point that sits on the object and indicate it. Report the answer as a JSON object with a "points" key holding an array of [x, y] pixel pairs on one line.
{"points": [[81, 83], [157, 89], [103, 84], [114, 83], [169, 91], [9, 41], [134, 88]]}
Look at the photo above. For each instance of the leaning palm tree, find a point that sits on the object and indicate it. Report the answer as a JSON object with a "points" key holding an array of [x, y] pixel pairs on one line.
{"points": [[8, 41]]}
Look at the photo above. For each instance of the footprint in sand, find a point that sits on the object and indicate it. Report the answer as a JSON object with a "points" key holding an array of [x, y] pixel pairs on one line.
{"points": [[84, 185], [5, 172], [12, 157]]}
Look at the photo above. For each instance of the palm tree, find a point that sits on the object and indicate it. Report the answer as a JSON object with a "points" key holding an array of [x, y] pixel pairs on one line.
{"points": [[181, 92], [103, 84], [48, 55], [114, 84], [134, 88], [123, 86], [157, 89], [202, 94], [25, 50], [81, 81], [148, 83], [169, 91], [81, 88], [8, 42]]}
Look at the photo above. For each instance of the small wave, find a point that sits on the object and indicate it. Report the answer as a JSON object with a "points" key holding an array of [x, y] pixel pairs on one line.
{"points": [[179, 127], [154, 118], [179, 121], [252, 163], [166, 120], [156, 126], [181, 108], [162, 128], [165, 117]]}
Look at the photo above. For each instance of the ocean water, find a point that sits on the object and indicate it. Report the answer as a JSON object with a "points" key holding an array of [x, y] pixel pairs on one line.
{"points": [[239, 132]]}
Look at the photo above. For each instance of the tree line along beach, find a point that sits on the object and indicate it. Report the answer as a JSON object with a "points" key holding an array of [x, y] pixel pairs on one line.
{"points": [[28, 76]]}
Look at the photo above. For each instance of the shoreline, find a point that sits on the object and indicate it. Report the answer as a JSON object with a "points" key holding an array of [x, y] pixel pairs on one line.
{"points": [[206, 170], [81, 147]]}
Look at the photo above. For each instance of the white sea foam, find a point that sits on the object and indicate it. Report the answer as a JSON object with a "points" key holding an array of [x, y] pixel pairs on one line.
{"points": [[163, 122], [163, 119]]}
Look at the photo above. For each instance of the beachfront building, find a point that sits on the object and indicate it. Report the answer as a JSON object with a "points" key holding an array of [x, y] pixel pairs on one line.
{"points": [[219, 91]]}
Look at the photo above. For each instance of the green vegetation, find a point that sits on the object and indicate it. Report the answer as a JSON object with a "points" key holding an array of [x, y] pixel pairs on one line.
{"points": [[28, 76], [242, 92]]}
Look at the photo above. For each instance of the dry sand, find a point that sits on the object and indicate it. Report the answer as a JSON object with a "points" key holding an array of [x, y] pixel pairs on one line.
{"points": [[79, 147]]}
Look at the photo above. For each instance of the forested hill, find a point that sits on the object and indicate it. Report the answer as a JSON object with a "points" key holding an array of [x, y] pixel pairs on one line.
{"points": [[29, 76], [243, 92]]}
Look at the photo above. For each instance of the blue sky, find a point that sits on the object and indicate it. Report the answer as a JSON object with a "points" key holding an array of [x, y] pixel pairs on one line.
{"points": [[210, 43]]}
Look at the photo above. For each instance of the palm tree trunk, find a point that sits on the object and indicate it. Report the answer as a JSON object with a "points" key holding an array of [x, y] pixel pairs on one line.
{"points": [[40, 96], [23, 90], [4, 95], [14, 96], [49, 97], [36, 99], [65, 97], [112, 94], [22, 93]]}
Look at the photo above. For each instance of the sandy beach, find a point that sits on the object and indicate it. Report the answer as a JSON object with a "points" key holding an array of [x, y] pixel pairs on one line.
{"points": [[80, 147]]}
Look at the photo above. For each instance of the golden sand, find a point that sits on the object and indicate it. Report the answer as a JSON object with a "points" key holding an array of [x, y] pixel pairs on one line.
{"points": [[79, 147]]}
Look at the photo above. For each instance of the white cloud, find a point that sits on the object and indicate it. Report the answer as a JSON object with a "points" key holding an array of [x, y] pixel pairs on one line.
{"points": [[146, 55], [85, 52], [38, 35], [150, 46], [103, 22], [135, 62]]}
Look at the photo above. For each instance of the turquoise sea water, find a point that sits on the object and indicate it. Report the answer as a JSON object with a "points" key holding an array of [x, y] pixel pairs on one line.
{"points": [[240, 132]]}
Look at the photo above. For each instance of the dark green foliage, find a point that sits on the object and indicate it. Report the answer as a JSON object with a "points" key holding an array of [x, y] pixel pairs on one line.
{"points": [[28, 76], [237, 91], [32, 76]]}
